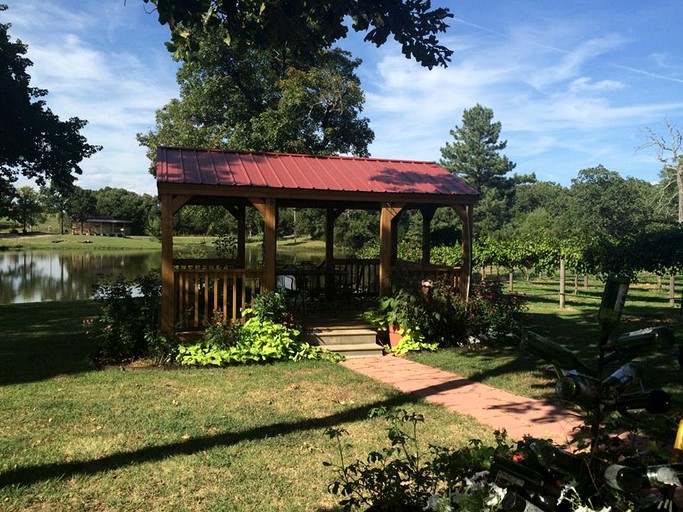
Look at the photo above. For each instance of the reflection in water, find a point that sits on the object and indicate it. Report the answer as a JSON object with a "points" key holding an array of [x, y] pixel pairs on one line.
{"points": [[49, 276], [61, 275]]}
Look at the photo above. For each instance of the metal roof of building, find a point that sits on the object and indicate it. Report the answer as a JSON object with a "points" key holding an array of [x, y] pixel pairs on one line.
{"points": [[305, 172]]}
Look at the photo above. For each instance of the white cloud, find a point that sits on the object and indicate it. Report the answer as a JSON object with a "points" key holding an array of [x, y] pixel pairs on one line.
{"points": [[571, 64], [587, 84]]}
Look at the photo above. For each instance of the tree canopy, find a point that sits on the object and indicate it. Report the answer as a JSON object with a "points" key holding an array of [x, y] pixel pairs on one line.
{"points": [[303, 28], [260, 100], [34, 142]]}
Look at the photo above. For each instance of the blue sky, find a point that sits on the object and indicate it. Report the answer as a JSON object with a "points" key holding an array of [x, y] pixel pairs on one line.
{"points": [[574, 83]]}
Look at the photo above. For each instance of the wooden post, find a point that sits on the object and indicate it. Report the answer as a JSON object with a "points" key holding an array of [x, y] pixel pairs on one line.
{"points": [[268, 209], [427, 216], [167, 274], [465, 214], [170, 204], [562, 282], [387, 225], [239, 212], [331, 215]]}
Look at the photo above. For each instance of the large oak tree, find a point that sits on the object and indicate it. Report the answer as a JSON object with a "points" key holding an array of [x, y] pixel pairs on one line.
{"points": [[303, 27], [262, 100]]}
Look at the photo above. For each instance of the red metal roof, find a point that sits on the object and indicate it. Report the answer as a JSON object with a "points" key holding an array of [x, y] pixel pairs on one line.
{"points": [[289, 171]]}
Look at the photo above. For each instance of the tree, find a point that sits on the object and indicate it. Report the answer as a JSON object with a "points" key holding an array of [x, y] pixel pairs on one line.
{"points": [[304, 28], [34, 142], [602, 205], [474, 155], [125, 205], [252, 100], [670, 154], [82, 204], [27, 209], [56, 200]]}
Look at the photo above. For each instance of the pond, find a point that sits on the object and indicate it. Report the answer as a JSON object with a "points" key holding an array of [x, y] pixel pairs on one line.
{"points": [[39, 276]]}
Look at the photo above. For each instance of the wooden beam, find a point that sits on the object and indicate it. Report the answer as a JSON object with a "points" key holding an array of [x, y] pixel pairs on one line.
{"points": [[179, 201], [427, 216], [387, 227], [268, 208], [315, 197], [465, 213], [167, 273]]}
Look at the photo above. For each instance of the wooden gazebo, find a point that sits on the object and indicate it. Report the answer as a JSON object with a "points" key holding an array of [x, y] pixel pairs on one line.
{"points": [[193, 289]]}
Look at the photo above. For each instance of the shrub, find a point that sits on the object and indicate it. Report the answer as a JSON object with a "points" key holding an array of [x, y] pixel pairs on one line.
{"points": [[491, 313], [127, 326], [260, 339], [403, 476]]}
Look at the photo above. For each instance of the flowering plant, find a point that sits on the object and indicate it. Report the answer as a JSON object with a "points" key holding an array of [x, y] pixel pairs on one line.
{"points": [[491, 313]]}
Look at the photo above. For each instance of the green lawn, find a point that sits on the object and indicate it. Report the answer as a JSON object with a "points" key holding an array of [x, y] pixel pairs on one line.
{"points": [[183, 244], [242, 438]]}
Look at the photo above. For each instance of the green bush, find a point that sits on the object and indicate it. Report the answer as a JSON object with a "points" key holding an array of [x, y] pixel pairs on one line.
{"points": [[404, 476], [491, 314], [435, 316], [260, 339], [127, 326]]}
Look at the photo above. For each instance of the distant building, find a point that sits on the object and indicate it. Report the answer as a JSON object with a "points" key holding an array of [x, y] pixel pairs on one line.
{"points": [[105, 226]]}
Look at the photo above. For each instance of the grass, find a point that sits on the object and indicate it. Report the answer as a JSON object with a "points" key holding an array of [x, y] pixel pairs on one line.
{"points": [[240, 438], [183, 244]]}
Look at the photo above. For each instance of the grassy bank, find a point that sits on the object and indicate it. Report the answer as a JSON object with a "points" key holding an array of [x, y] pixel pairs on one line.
{"points": [[243, 438], [55, 242]]}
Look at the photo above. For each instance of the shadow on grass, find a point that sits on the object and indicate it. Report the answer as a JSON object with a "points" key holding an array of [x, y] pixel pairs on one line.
{"points": [[29, 475], [42, 340]]}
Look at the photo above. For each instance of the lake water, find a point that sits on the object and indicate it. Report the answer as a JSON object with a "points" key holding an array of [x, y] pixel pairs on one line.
{"points": [[62, 275]]}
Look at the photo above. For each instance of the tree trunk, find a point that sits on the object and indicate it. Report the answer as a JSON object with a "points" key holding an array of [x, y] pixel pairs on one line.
{"points": [[659, 283], [576, 284], [562, 284], [672, 290], [511, 281], [585, 282]]}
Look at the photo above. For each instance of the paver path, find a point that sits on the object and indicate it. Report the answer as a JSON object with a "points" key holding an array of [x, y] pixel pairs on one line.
{"points": [[499, 409]]}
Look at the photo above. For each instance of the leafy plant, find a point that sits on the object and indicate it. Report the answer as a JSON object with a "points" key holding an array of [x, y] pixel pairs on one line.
{"points": [[226, 245], [492, 313], [403, 476], [427, 319], [129, 315], [268, 334], [412, 340]]}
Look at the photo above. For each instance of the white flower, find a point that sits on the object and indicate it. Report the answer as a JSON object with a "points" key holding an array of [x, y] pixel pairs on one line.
{"points": [[438, 503], [496, 496]]}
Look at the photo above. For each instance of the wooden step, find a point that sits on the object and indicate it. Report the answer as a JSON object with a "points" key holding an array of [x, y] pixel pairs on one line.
{"points": [[349, 341]]}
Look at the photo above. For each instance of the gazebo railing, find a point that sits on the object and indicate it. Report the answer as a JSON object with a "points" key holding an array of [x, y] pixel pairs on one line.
{"points": [[204, 263], [363, 275], [200, 293], [408, 273]]}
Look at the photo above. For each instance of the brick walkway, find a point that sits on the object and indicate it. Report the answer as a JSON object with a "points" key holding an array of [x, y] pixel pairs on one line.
{"points": [[490, 406]]}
